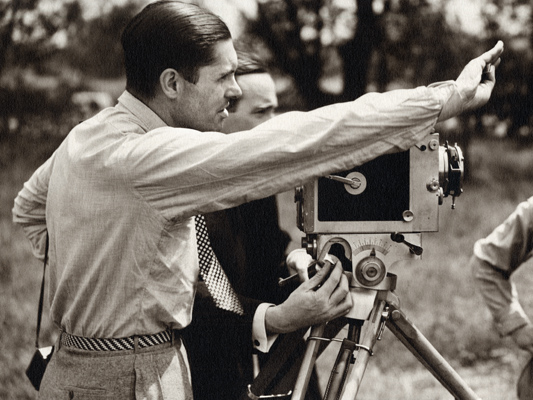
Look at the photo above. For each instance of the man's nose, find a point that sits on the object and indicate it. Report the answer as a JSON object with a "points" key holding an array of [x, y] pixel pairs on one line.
{"points": [[234, 91]]}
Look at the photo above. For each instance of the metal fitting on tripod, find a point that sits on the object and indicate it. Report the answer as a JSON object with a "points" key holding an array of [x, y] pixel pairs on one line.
{"points": [[252, 396]]}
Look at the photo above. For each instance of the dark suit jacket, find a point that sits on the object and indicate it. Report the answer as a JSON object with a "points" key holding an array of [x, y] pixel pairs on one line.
{"points": [[251, 249]]}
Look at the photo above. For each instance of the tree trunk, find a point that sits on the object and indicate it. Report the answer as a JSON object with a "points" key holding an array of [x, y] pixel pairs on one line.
{"points": [[357, 53]]}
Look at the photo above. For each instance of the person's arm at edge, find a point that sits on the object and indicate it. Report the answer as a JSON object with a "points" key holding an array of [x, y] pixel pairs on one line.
{"points": [[500, 295], [495, 259]]}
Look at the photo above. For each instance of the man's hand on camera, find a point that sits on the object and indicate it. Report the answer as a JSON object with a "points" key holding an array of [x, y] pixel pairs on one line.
{"points": [[321, 298], [474, 84], [523, 337]]}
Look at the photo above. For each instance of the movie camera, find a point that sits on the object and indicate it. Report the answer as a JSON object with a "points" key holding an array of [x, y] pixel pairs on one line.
{"points": [[373, 216]]}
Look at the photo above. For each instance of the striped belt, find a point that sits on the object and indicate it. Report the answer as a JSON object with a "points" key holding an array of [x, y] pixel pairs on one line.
{"points": [[114, 344]]}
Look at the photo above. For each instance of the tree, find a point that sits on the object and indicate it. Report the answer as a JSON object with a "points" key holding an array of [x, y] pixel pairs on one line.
{"points": [[47, 50], [512, 21], [309, 39], [32, 30], [358, 45], [96, 49]]}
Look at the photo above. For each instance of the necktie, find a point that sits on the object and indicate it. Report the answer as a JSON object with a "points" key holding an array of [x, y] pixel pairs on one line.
{"points": [[212, 273]]}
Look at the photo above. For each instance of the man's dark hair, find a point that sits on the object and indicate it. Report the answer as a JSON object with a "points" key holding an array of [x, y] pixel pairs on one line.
{"points": [[249, 63], [169, 34]]}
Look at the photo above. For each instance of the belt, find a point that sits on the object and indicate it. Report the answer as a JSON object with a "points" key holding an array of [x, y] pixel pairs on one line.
{"points": [[114, 344]]}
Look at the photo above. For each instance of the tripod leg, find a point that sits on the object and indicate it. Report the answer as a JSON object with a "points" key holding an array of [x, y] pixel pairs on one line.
{"points": [[342, 363], [422, 349], [369, 335], [308, 363]]}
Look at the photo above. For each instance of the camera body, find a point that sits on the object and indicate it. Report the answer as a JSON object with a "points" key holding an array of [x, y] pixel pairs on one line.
{"points": [[398, 192]]}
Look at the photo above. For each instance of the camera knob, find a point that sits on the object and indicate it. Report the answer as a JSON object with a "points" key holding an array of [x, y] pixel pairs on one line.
{"points": [[433, 185], [370, 271], [309, 243]]}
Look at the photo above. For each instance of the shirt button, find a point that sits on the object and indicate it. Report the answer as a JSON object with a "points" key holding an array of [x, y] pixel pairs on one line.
{"points": [[256, 343]]}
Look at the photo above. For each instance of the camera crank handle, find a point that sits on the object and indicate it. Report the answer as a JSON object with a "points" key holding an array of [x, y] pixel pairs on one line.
{"points": [[311, 271], [399, 238], [353, 182]]}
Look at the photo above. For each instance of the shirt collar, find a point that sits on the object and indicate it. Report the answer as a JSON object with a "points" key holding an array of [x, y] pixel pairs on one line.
{"points": [[148, 118]]}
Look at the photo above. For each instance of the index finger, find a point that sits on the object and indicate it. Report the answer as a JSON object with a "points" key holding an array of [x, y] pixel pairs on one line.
{"points": [[332, 281]]}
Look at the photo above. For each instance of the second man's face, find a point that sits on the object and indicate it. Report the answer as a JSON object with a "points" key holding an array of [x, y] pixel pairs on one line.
{"points": [[256, 105]]}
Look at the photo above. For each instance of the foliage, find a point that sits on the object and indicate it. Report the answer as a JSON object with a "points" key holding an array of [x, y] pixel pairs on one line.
{"points": [[32, 30], [338, 50], [96, 48], [49, 49], [420, 46], [512, 21], [312, 40], [325, 50]]}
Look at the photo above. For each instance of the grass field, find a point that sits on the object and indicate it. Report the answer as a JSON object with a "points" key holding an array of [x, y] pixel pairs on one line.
{"points": [[436, 292]]}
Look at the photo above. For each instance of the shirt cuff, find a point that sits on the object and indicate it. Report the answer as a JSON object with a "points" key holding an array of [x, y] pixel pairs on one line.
{"points": [[262, 342], [453, 103]]}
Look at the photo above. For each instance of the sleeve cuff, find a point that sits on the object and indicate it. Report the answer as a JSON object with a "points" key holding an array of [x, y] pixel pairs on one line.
{"points": [[262, 342], [451, 99]]}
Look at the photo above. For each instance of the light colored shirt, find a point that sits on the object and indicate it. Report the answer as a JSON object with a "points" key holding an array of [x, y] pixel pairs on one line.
{"points": [[498, 256], [123, 189]]}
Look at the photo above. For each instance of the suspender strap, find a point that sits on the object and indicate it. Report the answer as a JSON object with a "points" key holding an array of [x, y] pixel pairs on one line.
{"points": [[41, 296]]}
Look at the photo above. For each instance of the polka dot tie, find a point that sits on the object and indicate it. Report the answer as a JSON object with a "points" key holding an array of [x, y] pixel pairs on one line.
{"points": [[212, 273]]}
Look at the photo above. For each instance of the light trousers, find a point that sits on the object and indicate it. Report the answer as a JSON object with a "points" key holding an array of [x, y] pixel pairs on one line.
{"points": [[156, 372]]}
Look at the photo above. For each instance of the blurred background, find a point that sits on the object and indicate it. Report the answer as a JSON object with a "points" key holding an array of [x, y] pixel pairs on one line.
{"points": [[61, 62]]}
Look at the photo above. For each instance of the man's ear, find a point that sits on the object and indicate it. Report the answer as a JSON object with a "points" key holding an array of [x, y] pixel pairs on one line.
{"points": [[171, 83]]}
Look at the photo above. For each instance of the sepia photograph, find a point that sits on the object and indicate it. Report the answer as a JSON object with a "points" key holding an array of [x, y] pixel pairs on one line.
{"points": [[266, 199]]}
